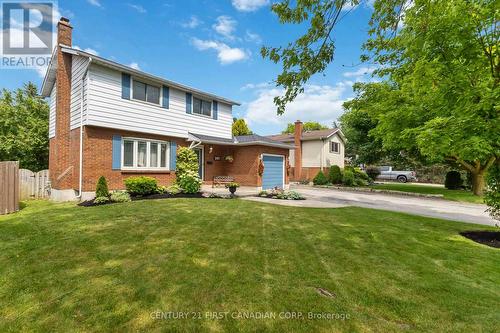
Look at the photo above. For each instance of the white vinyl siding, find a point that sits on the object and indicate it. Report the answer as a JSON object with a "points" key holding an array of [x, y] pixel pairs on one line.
{"points": [[78, 70], [108, 109], [317, 153], [52, 114]]}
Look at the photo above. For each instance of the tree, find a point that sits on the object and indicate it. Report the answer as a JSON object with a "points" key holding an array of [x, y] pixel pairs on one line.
{"points": [[24, 128], [307, 126], [312, 52], [240, 127], [440, 66]]}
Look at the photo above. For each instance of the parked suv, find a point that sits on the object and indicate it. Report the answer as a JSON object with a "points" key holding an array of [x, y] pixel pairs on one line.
{"points": [[387, 173]]}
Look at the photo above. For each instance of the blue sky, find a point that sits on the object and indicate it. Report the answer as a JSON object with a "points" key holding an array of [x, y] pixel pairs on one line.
{"points": [[214, 46]]}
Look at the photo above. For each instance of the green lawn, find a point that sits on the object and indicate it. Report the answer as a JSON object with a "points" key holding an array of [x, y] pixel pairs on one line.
{"points": [[111, 268], [455, 195]]}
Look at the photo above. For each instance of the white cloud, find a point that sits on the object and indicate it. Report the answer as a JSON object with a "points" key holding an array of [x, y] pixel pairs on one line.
{"points": [[225, 26], [360, 72], [193, 22], [138, 8], [41, 71], [317, 103], [225, 53], [134, 65], [88, 50], [253, 37], [249, 5], [96, 3]]}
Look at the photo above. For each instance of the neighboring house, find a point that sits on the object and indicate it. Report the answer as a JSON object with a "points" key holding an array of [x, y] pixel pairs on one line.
{"points": [[314, 150], [110, 120]]}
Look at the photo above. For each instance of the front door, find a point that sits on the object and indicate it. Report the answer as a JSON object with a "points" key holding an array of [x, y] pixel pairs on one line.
{"points": [[199, 154]]}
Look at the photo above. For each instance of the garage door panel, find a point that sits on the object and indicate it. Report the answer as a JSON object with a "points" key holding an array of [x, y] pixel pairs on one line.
{"points": [[273, 172]]}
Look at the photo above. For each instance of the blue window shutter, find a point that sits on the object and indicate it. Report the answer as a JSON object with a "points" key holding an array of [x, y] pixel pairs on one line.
{"points": [[165, 97], [173, 155], [125, 86], [189, 100], [117, 152], [215, 110]]}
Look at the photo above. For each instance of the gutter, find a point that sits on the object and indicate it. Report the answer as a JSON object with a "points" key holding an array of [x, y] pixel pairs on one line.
{"points": [[80, 169]]}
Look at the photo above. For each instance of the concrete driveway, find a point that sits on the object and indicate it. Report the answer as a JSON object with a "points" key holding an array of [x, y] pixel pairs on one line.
{"points": [[439, 208]]}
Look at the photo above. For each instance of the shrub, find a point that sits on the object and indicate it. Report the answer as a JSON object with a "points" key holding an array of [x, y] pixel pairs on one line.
{"points": [[290, 195], [453, 180], [492, 194], [139, 186], [348, 179], [102, 188], [320, 179], [189, 181], [120, 196], [335, 175], [186, 161], [101, 200], [232, 184], [373, 172], [174, 189]]}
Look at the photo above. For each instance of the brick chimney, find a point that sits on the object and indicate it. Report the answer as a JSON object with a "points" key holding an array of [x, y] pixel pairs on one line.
{"points": [[298, 150], [60, 163]]}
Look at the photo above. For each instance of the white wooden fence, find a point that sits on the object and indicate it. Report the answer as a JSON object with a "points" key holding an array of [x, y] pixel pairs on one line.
{"points": [[33, 185]]}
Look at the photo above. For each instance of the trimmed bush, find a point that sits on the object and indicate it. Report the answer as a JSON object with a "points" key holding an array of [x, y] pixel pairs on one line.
{"points": [[186, 161], [101, 200], [140, 186], [174, 189], [348, 179], [373, 172], [189, 181], [320, 179], [101, 189], [120, 196], [335, 175], [453, 180]]}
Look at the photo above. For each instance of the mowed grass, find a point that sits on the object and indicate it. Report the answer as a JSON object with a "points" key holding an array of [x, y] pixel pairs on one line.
{"points": [[112, 268], [455, 195]]}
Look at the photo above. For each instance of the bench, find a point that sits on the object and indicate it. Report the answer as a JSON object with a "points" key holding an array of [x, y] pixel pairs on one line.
{"points": [[222, 180]]}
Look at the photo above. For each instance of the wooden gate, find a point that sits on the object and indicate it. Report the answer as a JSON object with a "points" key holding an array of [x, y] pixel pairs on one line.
{"points": [[33, 185], [9, 187]]}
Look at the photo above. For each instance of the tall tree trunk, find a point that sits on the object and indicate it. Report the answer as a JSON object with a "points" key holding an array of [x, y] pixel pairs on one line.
{"points": [[478, 183]]}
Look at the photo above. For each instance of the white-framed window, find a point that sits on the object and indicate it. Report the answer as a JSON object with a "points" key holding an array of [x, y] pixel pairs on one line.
{"points": [[145, 92], [202, 107], [334, 147], [145, 154]]}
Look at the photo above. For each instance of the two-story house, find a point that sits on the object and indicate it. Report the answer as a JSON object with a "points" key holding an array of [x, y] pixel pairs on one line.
{"points": [[314, 150], [107, 119]]}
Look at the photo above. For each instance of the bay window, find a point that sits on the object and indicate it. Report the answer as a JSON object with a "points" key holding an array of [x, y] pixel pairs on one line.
{"points": [[143, 154]]}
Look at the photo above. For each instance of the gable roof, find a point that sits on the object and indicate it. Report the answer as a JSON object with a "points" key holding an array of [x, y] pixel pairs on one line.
{"points": [[240, 140], [50, 76], [308, 135]]}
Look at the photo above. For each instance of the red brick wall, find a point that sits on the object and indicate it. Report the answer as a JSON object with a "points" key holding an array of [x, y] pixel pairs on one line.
{"points": [[98, 144], [61, 163], [306, 174], [97, 157]]}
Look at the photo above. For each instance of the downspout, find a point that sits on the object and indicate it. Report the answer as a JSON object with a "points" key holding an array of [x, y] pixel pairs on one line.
{"points": [[80, 181]]}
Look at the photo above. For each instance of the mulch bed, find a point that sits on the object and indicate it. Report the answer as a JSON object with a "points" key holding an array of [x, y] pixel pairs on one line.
{"points": [[90, 203], [489, 238]]}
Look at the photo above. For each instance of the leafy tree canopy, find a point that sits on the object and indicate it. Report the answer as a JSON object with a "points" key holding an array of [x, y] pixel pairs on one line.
{"points": [[307, 126], [240, 127], [24, 127]]}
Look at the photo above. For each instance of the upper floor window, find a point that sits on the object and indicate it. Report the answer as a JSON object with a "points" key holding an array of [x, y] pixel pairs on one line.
{"points": [[145, 154], [334, 147], [145, 92], [202, 107]]}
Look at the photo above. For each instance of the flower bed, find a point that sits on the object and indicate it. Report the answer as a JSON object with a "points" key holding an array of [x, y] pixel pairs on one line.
{"points": [[281, 195]]}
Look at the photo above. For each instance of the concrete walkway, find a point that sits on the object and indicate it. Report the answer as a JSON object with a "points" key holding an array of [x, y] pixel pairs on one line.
{"points": [[438, 208]]}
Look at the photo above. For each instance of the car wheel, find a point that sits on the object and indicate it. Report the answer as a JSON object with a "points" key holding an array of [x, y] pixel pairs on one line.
{"points": [[402, 179]]}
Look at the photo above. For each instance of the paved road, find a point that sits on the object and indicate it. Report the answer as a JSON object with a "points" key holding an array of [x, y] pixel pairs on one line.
{"points": [[439, 208]]}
